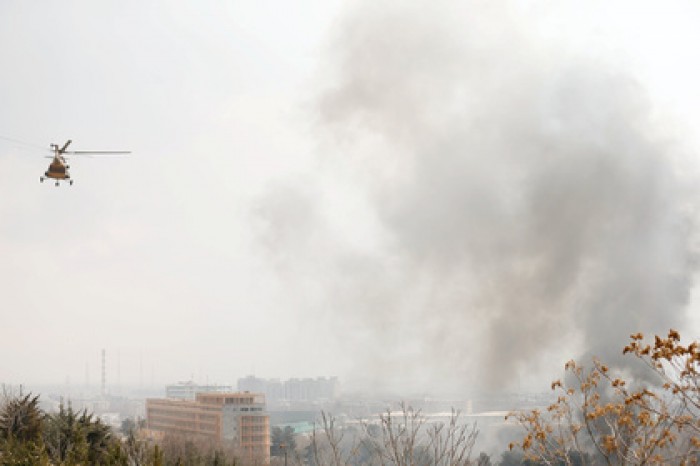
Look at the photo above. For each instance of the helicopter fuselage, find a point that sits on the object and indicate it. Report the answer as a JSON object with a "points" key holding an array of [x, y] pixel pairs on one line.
{"points": [[58, 170]]}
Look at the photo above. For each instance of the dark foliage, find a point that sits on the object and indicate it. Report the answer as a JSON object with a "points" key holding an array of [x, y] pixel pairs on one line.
{"points": [[21, 419]]}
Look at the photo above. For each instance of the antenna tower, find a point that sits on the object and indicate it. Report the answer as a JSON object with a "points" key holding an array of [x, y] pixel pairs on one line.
{"points": [[103, 390]]}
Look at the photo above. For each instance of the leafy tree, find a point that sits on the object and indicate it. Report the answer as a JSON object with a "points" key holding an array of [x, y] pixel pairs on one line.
{"points": [[100, 440], [65, 437], [21, 419], [157, 456], [21, 425], [78, 437], [128, 425], [138, 452], [282, 440], [16, 453], [599, 418], [28, 436]]}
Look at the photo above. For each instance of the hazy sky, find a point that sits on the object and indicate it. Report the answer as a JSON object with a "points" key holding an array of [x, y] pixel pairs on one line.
{"points": [[399, 193]]}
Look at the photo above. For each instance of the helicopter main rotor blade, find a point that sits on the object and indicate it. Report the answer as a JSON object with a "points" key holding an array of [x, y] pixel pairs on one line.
{"points": [[89, 153], [65, 146], [23, 143]]}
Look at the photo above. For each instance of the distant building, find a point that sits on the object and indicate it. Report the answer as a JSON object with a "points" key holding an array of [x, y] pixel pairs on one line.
{"points": [[240, 418], [293, 390], [188, 390]]}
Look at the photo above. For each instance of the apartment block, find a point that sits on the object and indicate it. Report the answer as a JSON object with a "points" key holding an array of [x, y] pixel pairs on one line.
{"points": [[239, 418]]}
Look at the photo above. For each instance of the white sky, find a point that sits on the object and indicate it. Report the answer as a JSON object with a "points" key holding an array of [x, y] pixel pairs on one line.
{"points": [[157, 257], [151, 256]]}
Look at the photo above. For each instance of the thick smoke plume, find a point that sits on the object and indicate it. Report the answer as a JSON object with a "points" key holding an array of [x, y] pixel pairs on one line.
{"points": [[518, 199]]}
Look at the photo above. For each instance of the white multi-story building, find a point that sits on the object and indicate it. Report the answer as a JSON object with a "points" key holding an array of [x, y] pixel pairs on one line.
{"points": [[188, 390]]}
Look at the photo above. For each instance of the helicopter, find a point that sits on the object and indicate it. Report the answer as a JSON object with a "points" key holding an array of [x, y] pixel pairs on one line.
{"points": [[58, 169]]}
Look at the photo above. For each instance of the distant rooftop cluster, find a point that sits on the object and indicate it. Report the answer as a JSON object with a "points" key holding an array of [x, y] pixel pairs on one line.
{"points": [[294, 390]]}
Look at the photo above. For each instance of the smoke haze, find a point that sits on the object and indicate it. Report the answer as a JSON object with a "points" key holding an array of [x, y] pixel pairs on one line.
{"points": [[520, 202], [409, 195]]}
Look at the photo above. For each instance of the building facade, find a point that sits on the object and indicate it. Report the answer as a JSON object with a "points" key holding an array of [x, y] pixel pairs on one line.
{"points": [[188, 390], [240, 418]]}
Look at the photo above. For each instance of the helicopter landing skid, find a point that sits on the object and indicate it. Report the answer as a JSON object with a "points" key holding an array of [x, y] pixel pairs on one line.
{"points": [[58, 182]]}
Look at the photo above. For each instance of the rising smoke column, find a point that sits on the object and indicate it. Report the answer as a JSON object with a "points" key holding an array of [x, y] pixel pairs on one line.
{"points": [[524, 196]]}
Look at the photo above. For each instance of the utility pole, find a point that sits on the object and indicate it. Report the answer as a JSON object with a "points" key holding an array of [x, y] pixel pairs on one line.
{"points": [[283, 446], [103, 390]]}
